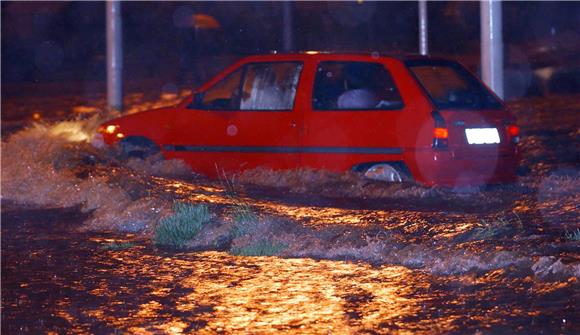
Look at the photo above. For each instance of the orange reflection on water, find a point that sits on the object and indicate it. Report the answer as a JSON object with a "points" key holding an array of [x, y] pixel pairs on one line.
{"points": [[280, 298], [142, 290], [322, 215], [434, 224], [223, 293], [195, 192]]}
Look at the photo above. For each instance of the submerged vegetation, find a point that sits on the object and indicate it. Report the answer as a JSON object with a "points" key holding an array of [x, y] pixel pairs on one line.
{"points": [[241, 212], [573, 235], [495, 228], [176, 230], [245, 222], [118, 246], [260, 248]]}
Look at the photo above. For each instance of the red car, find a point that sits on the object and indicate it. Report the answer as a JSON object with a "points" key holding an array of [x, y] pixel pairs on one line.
{"points": [[390, 118]]}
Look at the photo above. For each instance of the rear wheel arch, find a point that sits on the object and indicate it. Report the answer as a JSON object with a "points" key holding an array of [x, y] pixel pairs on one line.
{"points": [[391, 171]]}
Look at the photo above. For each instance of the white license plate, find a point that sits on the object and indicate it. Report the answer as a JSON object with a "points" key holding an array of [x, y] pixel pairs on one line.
{"points": [[482, 135]]}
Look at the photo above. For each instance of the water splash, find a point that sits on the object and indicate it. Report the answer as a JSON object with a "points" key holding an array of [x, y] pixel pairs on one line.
{"points": [[331, 184], [51, 165]]}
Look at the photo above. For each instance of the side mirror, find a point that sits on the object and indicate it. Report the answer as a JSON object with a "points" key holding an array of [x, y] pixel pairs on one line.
{"points": [[196, 102]]}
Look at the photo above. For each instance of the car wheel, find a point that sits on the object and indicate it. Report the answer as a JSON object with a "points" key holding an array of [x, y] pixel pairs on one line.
{"points": [[138, 147], [389, 172]]}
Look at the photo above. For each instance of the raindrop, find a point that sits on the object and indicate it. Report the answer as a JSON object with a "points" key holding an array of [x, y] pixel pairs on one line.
{"points": [[232, 130]]}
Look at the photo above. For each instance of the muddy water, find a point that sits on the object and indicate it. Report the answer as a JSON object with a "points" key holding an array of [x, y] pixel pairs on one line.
{"points": [[492, 260], [57, 281]]}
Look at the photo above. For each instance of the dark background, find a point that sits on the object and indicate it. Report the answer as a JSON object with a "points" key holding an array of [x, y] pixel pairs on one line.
{"points": [[54, 43]]}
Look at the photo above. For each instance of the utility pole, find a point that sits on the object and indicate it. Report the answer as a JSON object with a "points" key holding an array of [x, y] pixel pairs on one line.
{"points": [[423, 28], [114, 56], [287, 33], [492, 45]]}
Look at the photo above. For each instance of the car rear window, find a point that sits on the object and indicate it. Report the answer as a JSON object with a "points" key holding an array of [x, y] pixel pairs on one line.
{"points": [[451, 86]]}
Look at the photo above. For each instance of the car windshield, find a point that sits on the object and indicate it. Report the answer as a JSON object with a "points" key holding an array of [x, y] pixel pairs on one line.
{"points": [[451, 86]]}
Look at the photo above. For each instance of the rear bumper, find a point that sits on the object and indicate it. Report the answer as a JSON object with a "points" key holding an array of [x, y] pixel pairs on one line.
{"points": [[464, 168]]}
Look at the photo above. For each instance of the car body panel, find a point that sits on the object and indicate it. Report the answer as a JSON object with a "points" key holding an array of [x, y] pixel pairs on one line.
{"points": [[338, 140]]}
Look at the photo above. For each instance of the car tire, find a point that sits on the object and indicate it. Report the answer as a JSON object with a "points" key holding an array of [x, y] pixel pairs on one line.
{"points": [[138, 147]]}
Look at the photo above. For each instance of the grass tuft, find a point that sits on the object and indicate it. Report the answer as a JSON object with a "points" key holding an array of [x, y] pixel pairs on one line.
{"points": [[243, 215], [118, 246], [491, 229], [260, 248], [497, 227], [176, 230], [572, 236], [246, 222]]}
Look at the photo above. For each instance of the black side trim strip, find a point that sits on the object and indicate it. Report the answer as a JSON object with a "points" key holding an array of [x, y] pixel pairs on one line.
{"points": [[285, 150]]}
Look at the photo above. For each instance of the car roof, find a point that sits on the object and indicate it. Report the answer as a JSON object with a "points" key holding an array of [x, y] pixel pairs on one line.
{"points": [[331, 55]]}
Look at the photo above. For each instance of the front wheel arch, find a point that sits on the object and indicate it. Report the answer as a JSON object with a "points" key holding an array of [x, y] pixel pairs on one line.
{"points": [[138, 146]]}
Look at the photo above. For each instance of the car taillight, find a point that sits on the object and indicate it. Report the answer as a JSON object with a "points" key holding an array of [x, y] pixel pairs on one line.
{"points": [[514, 132], [440, 132]]}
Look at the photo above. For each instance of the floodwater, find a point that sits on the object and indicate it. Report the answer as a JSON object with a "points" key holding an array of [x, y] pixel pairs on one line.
{"points": [[58, 282], [359, 256]]}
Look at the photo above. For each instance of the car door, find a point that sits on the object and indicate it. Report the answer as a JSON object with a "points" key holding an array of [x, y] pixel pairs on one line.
{"points": [[245, 120], [353, 115]]}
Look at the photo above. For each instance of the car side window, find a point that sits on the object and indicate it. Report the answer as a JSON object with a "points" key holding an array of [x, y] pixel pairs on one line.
{"points": [[270, 86], [225, 94], [354, 86]]}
